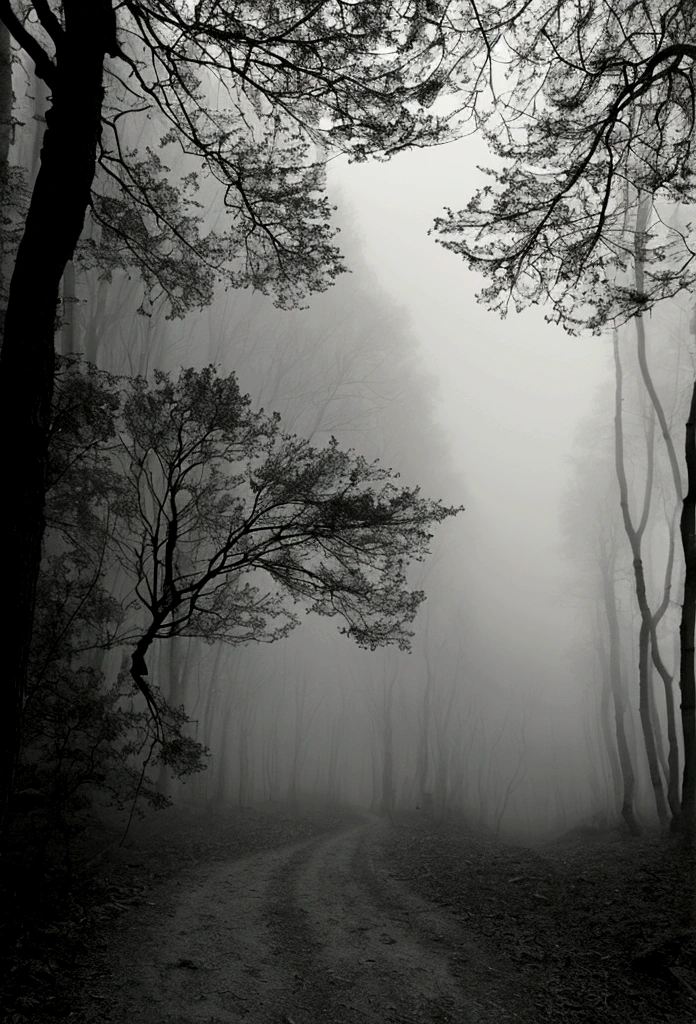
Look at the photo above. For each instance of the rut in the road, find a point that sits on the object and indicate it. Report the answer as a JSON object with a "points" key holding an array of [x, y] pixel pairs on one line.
{"points": [[312, 933], [362, 959], [365, 948]]}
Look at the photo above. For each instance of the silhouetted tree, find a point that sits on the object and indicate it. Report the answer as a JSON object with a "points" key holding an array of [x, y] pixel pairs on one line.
{"points": [[223, 523], [596, 111], [634, 532], [286, 79]]}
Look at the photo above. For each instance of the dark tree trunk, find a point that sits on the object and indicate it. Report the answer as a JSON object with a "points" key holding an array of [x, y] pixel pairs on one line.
{"points": [[687, 682], [644, 705], [659, 742], [68, 312], [53, 225], [6, 103], [672, 770], [5, 95]]}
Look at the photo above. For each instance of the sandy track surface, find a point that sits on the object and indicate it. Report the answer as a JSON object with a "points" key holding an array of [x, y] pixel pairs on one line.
{"points": [[320, 931]]}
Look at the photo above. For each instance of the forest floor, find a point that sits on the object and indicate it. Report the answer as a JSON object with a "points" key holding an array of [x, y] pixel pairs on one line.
{"points": [[343, 918]]}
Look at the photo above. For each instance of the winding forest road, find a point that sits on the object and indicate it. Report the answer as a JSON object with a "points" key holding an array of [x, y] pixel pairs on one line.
{"points": [[319, 931]]}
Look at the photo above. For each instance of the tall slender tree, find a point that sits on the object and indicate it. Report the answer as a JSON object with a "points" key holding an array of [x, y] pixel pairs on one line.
{"points": [[635, 532], [617, 687]]}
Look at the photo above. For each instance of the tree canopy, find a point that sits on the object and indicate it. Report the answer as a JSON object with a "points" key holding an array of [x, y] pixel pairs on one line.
{"points": [[249, 97], [186, 141], [589, 107], [222, 523]]}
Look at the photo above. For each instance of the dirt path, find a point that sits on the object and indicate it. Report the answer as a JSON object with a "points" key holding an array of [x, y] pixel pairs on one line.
{"points": [[316, 932]]}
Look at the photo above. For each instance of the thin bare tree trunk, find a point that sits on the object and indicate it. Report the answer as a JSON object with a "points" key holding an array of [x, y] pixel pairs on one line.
{"points": [[627, 774], [244, 770], [513, 782], [635, 536], [442, 760], [659, 745], [303, 725], [644, 207], [667, 679], [171, 654]]}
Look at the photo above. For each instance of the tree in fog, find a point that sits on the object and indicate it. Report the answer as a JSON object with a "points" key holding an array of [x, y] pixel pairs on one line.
{"points": [[613, 684], [593, 538], [622, 520], [242, 95], [223, 523], [648, 642], [596, 110], [594, 131]]}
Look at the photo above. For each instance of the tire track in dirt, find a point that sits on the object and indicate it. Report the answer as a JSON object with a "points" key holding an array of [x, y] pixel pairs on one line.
{"points": [[366, 949], [320, 932], [207, 954]]}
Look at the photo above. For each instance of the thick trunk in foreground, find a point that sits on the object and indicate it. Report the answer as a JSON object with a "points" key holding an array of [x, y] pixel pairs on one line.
{"points": [[687, 680], [5, 96], [68, 312], [5, 139], [52, 228]]}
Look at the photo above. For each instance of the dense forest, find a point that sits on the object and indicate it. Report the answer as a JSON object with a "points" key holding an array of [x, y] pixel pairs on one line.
{"points": [[240, 551]]}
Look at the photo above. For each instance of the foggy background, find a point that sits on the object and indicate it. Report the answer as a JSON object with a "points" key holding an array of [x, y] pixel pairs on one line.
{"points": [[496, 712], [509, 397]]}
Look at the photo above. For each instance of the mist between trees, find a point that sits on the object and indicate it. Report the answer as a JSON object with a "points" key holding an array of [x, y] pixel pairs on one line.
{"points": [[622, 520], [163, 666]]}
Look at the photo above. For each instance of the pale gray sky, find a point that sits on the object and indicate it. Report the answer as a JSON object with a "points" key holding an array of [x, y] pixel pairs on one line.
{"points": [[511, 392]]}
